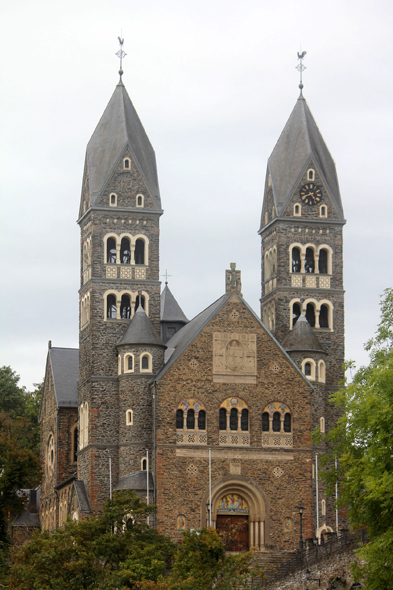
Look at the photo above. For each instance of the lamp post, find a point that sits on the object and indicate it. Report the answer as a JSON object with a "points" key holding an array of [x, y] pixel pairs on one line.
{"points": [[301, 509], [208, 513]]}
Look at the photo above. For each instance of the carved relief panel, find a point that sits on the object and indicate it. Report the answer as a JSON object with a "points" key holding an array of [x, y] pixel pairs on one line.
{"points": [[234, 357]]}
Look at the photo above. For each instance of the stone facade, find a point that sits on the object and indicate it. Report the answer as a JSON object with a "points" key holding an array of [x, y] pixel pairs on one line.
{"points": [[225, 406]]}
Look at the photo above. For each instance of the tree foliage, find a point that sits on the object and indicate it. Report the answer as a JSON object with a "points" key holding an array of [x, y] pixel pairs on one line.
{"points": [[118, 550], [363, 444]]}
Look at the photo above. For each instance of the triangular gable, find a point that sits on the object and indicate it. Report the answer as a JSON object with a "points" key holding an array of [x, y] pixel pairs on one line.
{"points": [[178, 344]]}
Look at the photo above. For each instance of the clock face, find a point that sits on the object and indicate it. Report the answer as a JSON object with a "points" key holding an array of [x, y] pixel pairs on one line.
{"points": [[310, 194]]}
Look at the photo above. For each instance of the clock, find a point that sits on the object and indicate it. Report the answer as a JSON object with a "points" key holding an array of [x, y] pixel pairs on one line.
{"points": [[310, 194]]}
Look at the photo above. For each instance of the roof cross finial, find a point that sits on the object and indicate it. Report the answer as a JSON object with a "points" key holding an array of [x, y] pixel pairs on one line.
{"points": [[301, 69], [166, 275], [120, 54]]}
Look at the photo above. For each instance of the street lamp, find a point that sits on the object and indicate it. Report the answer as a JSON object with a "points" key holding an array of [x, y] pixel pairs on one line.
{"points": [[208, 513], [301, 509]]}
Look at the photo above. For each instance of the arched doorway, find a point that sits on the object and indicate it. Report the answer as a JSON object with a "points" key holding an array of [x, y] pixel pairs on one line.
{"points": [[232, 522], [246, 504]]}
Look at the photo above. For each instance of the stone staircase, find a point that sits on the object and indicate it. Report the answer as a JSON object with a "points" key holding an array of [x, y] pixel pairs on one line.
{"points": [[271, 562]]}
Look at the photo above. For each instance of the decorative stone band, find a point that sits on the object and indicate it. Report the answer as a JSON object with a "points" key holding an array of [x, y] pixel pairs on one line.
{"points": [[234, 439], [277, 440], [126, 272], [310, 281], [191, 438]]}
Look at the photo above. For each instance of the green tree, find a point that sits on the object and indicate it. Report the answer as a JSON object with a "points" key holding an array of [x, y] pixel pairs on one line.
{"points": [[114, 550], [363, 444], [12, 396]]}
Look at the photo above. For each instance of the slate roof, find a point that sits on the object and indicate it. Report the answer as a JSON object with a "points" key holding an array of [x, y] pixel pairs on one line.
{"points": [[65, 370], [141, 331], [135, 481], [26, 518], [170, 309], [118, 127], [179, 342], [299, 141], [302, 338], [81, 495]]}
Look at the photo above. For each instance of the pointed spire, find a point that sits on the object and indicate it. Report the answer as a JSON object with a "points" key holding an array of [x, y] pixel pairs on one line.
{"points": [[299, 142], [302, 338], [170, 309], [119, 128], [141, 331]]}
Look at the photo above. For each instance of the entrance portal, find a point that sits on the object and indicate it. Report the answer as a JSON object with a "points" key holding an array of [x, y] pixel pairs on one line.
{"points": [[234, 530], [232, 522]]}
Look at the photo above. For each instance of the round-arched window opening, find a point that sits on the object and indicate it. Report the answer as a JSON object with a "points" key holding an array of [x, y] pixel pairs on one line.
{"points": [[295, 313], [276, 422], [324, 317], [309, 265], [296, 262], [125, 251], [140, 251], [111, 309], [323, 262], [310, 314], [307, 369], [145, 362], [111, 251], [125, 307]]}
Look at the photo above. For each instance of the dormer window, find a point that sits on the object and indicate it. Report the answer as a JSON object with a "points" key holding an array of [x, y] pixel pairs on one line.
{"points": [[311, 174], [127, 164], [113, 200]]}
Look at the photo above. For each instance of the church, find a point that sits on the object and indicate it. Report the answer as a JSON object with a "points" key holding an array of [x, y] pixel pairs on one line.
{"points": [[210, 419]]}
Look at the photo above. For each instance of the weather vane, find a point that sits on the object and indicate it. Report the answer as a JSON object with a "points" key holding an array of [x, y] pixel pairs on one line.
{"points": [[166, 275], [120, 54], [301, 69]]}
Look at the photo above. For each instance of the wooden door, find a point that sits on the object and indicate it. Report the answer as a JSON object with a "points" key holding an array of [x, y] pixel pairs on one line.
{"points": [[234, 530]]}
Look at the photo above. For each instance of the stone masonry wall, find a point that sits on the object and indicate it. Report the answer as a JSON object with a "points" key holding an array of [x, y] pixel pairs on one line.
{"points": [[281, 476]]}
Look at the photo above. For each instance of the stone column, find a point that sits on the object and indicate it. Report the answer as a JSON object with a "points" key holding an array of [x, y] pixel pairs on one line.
{"points": [[257, 533], [262, 535]]}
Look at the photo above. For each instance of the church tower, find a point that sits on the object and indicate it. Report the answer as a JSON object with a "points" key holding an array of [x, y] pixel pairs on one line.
{"points": [[119, 220], [301, 229]]}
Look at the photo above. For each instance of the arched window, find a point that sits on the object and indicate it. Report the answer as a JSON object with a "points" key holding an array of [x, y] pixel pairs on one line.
{"points": [[310, 314], [113, 200], [233, 419], [222, 419], [321, 372], [308, 368], [129, 418], [179, 419], [310, 174], [129, 362], [146, 362], [244, 420], [276, 422], [139, 200], [125, 307], [140, 251], [125, 251], [111, 251], [323, 211], [144, 464], [323, 262], [277, 426], [296, 262], [309, 265], [322, 424], [201, 420], [297, 210], [295, 313], [190, 420], [111, 309], [324, 317], [126, 164], [142, 302]]}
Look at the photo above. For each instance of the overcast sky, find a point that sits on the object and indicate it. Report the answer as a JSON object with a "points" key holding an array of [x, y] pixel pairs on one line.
{"points": [[214, 83]]}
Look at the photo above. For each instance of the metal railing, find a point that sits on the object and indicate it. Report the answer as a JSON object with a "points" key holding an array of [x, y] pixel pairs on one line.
{"points": [[313, 553]]}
